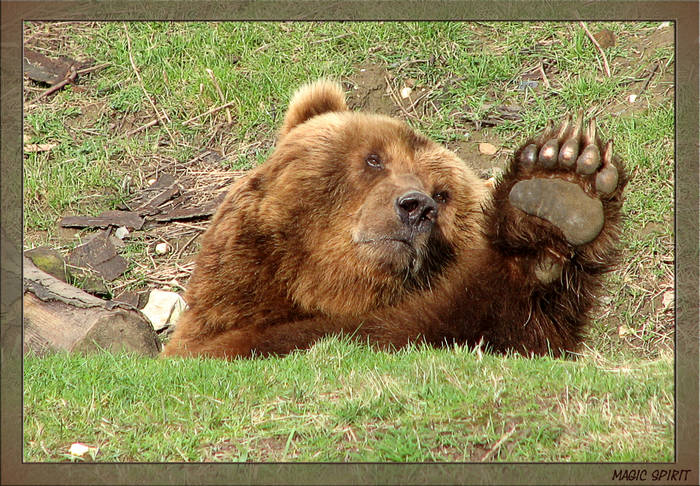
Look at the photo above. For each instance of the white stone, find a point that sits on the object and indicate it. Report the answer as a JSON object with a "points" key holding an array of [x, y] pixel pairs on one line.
{"points": [[78, 449], [162, 248], [406, 92], [121, 232], [164, 308]]}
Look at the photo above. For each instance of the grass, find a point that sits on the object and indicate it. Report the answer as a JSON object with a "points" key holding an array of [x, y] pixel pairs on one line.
{"points": [[344, 402], [338, 401]]}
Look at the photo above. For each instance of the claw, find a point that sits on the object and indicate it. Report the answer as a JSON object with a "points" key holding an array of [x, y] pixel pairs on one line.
{"points": [[564, 127], [548, 130], [576, 132], [589, 136], [607, 153], [569, 151]]}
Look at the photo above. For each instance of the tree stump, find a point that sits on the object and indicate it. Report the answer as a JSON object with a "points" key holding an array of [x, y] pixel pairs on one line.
{"points": [[58, 316]]}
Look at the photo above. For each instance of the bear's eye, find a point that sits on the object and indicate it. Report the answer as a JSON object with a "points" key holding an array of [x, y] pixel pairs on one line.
{"points": [[374, 161], [441, 197]]}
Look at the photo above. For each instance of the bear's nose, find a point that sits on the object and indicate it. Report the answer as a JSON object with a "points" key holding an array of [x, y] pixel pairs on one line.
{"points": [[416, 208]]}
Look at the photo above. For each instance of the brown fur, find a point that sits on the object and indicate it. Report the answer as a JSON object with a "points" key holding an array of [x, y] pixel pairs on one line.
{"points": [[310, 244]]}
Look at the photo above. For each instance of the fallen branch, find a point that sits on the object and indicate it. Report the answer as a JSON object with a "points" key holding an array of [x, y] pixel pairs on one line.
{"points": [[93, 68]]}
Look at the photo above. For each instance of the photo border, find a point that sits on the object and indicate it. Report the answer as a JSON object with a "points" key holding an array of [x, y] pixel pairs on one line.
{"points": [[687, 207]]}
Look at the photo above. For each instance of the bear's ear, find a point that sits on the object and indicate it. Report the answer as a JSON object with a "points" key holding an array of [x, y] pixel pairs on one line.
{"points": [[311, 100]]}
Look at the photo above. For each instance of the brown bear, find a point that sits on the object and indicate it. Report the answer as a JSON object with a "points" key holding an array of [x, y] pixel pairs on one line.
{"points": [[359, 225]]}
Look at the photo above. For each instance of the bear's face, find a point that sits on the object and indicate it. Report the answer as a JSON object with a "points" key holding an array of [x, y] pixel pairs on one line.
{"points": [[383, 212]]}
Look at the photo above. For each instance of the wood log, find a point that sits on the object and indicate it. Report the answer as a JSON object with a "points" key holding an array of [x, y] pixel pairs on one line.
{"points": [[58, 316]]}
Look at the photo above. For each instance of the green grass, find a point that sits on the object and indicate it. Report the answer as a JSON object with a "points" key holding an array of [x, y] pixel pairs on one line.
{"points": [[341, 401], [258, 65]]}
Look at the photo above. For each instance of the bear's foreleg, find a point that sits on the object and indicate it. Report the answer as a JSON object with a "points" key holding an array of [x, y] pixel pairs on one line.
{"points": [[554, 225], [276, 339]]}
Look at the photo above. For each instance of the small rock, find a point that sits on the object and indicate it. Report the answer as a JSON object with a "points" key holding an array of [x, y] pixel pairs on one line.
{"points": [[164, 308], [162, 248], [632, 98], [79, 450], [527, 83], [151, 181], [406, 92], [121, 232], [487, 148]]}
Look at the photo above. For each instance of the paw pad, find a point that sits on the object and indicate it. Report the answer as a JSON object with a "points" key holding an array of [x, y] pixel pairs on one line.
{"points": [[564, 203]]}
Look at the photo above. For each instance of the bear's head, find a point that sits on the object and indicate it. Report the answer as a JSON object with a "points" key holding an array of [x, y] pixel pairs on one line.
{"points": [[357, 210]]}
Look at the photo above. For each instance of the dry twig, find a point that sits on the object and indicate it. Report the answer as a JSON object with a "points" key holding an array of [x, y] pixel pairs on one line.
{"points": [[208, 112], [142, 127], [229, 119], [396, 99], [498, 444], [544, 77], [648, 80], [600, 49], [71, 77], [93, 68]]}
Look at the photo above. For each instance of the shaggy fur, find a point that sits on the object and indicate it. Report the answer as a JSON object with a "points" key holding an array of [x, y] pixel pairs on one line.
{"points": [[359, 225]]}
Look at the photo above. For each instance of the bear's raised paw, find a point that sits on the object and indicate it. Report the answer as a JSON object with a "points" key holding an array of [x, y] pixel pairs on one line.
{"points": [[573, 174]]}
